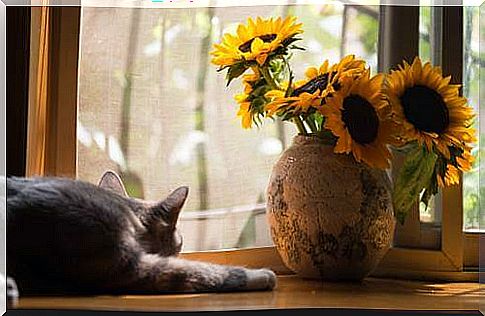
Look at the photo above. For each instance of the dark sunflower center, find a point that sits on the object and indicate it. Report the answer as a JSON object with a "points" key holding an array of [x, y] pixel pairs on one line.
{"points": [[360, 119], [246, 47], [425, 109]]}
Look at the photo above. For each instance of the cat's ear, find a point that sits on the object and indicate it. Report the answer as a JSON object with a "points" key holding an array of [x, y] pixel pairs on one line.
{"points": [[112, 181], [174, 203]]}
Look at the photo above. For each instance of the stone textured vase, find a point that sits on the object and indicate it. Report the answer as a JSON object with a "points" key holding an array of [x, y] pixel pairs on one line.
{"points": [[330, 217]]}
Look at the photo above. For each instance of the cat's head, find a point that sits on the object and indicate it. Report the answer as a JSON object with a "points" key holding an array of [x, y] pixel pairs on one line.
{"points": [[160, 217]]}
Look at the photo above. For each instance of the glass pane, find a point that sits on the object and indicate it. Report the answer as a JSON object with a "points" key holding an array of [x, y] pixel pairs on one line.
{"points": [[424, 33], [153, 108], [472, 62], [430, 50]]}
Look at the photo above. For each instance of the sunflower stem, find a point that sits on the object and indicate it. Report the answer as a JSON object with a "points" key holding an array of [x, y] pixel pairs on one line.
{"points": [[300, 125], [311, 124], [272, 83], [269, 79]]}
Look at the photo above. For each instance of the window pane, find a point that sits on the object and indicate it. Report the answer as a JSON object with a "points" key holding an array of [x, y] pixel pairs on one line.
{"points": [[472, 63], [430, 50], [153, 108]]}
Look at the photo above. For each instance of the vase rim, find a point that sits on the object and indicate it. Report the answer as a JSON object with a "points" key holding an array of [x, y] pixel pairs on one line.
{"points": [[301, 139]]}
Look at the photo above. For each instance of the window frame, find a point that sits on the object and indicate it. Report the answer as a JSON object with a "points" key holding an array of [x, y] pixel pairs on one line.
{"points": [[451, 255], [52, 113], [52, 142]]}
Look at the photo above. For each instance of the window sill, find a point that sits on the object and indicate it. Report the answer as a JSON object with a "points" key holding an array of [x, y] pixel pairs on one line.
{"points": [[292, 292]]}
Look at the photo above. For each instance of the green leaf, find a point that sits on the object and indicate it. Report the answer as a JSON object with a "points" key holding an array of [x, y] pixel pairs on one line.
{"points": [[320, 119], [276, 65], [259, 91], [327, 136], [290, 40], [428, 193], [407, 147], [297, 47], [258, 106], [414, 176], [235, 71], [222, 68], [287, 116], [431, 189]]}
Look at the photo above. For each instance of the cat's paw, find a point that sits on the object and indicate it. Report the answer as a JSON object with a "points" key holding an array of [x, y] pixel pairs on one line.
{"points": [[261, 279], [12, 293]]}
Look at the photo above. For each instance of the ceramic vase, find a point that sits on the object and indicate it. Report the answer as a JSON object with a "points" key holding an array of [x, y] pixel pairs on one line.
{"points": [[330, 217]]}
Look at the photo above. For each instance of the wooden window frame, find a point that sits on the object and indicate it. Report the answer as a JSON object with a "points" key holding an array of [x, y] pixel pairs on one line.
{"points": [[52, 114], [52, 143]]}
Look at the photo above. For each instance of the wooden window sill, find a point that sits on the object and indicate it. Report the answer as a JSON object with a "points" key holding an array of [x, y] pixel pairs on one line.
{"points": [[292, 292]]}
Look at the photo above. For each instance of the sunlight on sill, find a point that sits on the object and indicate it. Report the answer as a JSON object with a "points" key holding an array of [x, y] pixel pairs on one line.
{"points": [[291, 292]]}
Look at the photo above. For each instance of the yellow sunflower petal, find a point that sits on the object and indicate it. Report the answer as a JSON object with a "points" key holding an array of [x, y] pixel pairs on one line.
{"points": [[267, 35], [311, 72], [445, 121], [370, 148]]}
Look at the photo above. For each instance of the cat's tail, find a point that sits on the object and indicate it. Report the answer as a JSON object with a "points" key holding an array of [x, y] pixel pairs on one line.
{"points": [[171, 274]]}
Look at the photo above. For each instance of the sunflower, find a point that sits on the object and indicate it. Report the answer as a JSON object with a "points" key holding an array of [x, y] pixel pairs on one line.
{"points": [[250, 100], [358, 115], [256, 41], [449, 170], [311, 92], [244, 110], [293, 105], [250, 80], [429, 108], [328, 77]]}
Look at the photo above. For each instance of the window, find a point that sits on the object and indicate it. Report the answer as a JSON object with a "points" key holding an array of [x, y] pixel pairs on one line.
{"points": [[429, 48], [133, 68], [473, 62], [430, 45], [152, 107]]}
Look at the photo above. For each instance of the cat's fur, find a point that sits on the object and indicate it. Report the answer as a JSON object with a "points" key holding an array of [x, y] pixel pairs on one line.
{"points": [[67, 236]]}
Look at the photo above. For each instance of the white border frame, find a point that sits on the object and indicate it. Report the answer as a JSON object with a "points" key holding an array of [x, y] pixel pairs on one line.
{"points": [[3, 165]]}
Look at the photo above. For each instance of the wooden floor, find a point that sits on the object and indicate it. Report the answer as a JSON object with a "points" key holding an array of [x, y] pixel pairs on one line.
{"points": [[292, 292]]}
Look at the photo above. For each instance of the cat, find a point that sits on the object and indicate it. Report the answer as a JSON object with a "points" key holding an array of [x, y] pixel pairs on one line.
{"points": [[67, 236]]}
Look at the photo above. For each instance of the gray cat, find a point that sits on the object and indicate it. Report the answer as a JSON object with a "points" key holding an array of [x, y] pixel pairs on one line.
{"points": [[71, 237]]}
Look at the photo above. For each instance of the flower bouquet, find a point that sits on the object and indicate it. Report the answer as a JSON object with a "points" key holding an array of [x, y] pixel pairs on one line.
{"points": [[349, 122]]}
